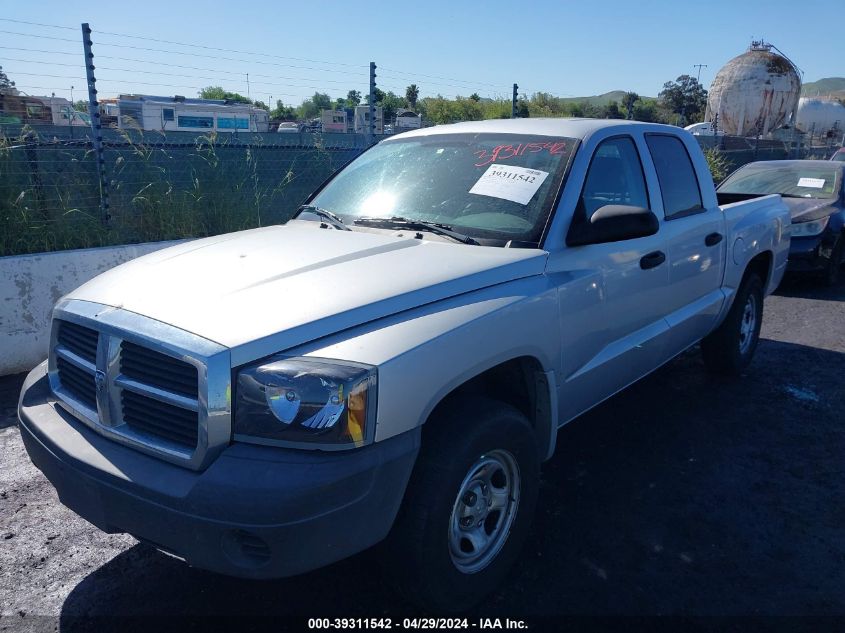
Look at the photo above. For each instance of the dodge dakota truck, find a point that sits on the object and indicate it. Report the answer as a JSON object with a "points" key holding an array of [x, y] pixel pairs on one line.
{"points": [[392, 365]]}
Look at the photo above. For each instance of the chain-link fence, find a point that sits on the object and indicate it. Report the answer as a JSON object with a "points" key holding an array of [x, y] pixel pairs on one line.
{"points": [[160, 187]]}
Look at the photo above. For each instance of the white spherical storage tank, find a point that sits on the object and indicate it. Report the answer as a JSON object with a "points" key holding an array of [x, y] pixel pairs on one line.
{"points": [[820, 116], [754, 93]]}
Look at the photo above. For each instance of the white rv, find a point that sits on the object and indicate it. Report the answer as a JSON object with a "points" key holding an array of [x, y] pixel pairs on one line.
{"points": [[168, 114]]}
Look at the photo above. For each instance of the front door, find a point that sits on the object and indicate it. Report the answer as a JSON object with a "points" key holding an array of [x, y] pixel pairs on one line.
{"points": [[612, 296]]}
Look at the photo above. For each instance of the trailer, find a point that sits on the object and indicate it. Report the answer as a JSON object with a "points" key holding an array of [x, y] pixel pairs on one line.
{"points": [[171, 114]]}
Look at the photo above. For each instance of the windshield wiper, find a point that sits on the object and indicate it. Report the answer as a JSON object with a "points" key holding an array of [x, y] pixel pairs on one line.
{"points": [[327, 215], [398, 222]]}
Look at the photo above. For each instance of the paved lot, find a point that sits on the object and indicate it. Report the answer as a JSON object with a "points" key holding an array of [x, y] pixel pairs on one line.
{"points": [[683, 495]]}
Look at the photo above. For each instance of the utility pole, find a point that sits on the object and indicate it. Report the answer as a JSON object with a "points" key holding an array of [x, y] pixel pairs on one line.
{"points": [[96, 127], [513, 101], [699, 66], [372, 102]]}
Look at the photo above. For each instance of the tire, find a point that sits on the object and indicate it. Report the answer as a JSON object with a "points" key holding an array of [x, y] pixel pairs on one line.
{"points": [[447, 549], [833, 272], [730, 347]]}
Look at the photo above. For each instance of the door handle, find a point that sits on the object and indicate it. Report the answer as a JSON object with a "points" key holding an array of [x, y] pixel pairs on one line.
{"points": [[713, 239], [652, 260]]}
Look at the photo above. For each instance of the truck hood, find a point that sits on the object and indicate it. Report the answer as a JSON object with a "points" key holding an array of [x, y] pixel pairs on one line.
{"points": [[266, 290], [809, 209]]}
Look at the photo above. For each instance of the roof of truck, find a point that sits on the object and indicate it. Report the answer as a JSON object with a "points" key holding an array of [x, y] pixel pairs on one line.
{"points": [[571, 128]]}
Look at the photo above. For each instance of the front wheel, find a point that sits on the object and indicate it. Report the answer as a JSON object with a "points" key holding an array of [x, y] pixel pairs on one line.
{"points": [[730, 347], [833, 272], [468, 506]]}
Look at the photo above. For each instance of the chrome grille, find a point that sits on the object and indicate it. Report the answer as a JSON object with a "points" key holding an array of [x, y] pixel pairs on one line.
{"points": [[140, 382]]}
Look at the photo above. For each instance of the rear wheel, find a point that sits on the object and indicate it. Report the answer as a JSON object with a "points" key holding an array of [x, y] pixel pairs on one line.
{"points": [[729, 349], [468, 506]]}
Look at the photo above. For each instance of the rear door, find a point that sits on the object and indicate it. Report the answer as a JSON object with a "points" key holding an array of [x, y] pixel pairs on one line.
{"points": [[695, 242]]}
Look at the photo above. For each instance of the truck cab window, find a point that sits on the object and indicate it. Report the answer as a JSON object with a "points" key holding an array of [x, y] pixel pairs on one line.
{"points": [[676, 175], [615, 176]]}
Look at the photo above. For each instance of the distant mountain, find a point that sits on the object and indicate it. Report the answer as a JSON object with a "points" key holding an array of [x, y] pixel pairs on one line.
{"points": [[603, 99], [823, 87]]}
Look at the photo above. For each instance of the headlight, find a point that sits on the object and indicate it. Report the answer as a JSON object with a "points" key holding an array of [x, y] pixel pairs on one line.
{"points": [[306, 402], [806, 229]]}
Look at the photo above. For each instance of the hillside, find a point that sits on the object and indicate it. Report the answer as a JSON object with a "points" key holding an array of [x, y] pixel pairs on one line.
{"points": [[824, 87], [603, 99]]}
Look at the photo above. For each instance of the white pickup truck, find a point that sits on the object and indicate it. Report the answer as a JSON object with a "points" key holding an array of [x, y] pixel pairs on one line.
{"points": [[393, 365]]}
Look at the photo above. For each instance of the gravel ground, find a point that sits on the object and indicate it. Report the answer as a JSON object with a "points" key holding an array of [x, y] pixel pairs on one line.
{"points": [[682, 496]]}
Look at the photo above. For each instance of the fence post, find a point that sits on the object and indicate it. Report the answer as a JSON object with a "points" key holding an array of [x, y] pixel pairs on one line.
{"points": [[371, 103], [96, 127]]}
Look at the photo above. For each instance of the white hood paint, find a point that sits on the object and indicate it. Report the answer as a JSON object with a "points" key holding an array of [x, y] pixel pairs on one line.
{"points": [[266, 290]]}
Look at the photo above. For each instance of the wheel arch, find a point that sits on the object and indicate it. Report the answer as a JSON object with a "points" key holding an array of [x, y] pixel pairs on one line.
{"points": [[520, 382], [762, 264]]}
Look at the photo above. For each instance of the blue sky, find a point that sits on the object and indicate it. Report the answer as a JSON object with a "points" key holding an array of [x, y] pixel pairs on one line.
{"points": [[291, 50]]}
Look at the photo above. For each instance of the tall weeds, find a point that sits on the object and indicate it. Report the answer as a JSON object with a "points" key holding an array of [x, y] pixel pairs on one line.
{"points": [[216, 183]]}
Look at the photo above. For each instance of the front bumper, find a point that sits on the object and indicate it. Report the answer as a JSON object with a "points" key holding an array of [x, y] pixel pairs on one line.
{"points": [[810, 254], [257, 512]]}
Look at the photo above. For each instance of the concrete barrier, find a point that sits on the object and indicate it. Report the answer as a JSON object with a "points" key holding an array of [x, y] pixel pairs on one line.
{"points": [[30, 285]]}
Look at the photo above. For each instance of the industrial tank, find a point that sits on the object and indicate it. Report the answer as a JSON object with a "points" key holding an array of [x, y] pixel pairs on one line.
{"points": [[820, 116], [754, 93]]}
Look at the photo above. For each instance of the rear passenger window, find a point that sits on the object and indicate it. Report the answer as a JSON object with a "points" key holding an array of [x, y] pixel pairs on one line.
{"points": [[615, 177], [676, 175]]}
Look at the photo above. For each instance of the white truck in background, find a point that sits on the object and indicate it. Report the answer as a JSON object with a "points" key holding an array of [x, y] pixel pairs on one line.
{"points": [[392, 366]]}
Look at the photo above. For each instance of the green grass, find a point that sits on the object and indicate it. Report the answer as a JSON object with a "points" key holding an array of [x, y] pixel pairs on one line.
{"points": [[49, 196]]}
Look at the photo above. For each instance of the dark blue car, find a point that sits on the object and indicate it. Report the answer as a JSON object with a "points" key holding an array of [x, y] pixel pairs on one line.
{"points": [[813, 191]]}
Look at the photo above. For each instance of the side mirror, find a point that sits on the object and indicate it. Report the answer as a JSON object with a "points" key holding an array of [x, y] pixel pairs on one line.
{"points": [[613, 223]]}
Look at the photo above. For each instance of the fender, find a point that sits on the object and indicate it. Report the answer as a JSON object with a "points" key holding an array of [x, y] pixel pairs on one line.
{"points": [[424, 354]]}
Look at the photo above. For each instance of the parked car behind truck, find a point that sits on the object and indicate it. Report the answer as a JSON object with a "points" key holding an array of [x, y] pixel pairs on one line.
{"points": [[814, 192], [394, 364]]}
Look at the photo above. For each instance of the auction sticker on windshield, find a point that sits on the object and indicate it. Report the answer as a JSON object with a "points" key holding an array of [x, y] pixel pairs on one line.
{"points": [[517, 184], [815, 183]]}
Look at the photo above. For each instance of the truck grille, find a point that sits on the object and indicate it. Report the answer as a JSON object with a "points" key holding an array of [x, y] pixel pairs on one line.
{"points": [[156, 369], [144, 394], [80, 340], [78, 382], [159, 419]]}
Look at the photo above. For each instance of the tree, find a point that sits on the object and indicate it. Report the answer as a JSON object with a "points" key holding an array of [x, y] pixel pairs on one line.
{"points": [[686, 97], [353, 98], [390, 103], [261, 104], [81, 105], [378, 94], [7, 86], [312, 106], [412, 93], [474, 96], [217, 92], [283, 112], [611, 111], [628, 101]]}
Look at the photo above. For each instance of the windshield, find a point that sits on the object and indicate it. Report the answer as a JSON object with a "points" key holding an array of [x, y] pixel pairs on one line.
{"points": [[793, 180], [494, 186]]}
